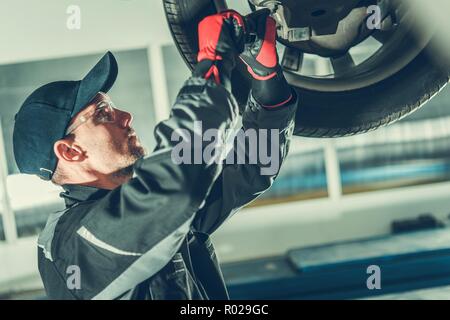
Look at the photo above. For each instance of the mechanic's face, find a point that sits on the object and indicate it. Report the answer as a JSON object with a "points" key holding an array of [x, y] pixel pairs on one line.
{"points": [[108, 147]]}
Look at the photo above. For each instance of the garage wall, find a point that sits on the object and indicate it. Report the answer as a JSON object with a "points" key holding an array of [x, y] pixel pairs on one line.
{"points": [[175, 69]]}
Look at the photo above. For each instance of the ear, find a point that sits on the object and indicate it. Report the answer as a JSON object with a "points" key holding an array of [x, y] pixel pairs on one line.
{"points": [[66, 150]]}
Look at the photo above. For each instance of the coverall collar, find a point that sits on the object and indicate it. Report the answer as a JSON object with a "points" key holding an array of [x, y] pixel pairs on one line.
{"points": [[74, 193]]}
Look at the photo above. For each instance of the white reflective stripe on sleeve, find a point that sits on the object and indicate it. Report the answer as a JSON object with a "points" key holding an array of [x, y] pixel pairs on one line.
{"points": [[148, 265], [87, 235]]}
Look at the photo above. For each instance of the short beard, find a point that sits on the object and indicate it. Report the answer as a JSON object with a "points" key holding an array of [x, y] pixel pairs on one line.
{"points": [[126, 172], [136, 153]]}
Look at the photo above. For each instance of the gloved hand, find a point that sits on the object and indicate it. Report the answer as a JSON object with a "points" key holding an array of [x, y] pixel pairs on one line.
{"points": [[221, 39], [269, 87]]}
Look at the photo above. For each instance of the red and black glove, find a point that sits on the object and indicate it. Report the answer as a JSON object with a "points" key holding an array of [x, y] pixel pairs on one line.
{"points": [[221, 39], [269, 87]]}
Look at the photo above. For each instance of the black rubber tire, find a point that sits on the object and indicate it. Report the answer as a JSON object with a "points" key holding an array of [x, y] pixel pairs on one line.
{"points": [[327, 114]]}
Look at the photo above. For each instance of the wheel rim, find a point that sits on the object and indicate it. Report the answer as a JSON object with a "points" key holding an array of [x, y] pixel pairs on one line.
{"points": [[380, 56]]}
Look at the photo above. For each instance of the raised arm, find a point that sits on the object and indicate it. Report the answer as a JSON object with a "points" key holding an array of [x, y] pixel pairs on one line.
{"points": [[269, 116]]}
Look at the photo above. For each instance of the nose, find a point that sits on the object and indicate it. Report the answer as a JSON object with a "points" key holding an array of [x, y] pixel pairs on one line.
{"points": [[124, 118]]}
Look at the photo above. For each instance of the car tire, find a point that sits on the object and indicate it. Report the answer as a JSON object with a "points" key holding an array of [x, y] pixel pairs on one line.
{"points": [[325, 114]]}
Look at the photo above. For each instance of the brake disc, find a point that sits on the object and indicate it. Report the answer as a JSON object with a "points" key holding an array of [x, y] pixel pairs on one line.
{"points": [[323, 27]]}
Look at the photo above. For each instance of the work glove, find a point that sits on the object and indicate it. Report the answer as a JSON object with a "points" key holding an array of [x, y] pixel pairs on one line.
{"points": [[221, 39], [269, 86]]}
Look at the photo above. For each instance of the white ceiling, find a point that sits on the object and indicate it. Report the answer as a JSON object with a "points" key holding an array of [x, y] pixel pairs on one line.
{"points": [[35, 30]]}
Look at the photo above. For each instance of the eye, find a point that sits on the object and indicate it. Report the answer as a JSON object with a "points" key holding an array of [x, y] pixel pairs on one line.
{"points": [[104, 114]]}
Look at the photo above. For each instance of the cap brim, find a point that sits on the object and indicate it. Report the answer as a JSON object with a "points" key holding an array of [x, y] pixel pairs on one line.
{"points": [[101, 78]]}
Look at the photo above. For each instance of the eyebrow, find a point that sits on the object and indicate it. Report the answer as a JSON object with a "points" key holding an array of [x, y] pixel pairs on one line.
{"points": [[96, 100], [84, 111], [87, 110], [99, 98]]}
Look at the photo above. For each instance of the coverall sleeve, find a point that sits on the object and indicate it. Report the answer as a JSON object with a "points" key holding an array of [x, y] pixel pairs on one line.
{"points": [[133, 232], [239, 184]]}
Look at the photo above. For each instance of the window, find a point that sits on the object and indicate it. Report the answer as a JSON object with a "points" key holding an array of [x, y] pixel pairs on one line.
{"points": [[176, 71], [301, 177], [413, 151]]}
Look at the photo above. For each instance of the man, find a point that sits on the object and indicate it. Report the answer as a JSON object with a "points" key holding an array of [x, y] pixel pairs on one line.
{"points": [[146, 237]]}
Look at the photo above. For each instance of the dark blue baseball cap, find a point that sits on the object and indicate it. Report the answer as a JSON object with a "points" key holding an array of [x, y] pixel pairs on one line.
{"points": [[45, 115]]}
